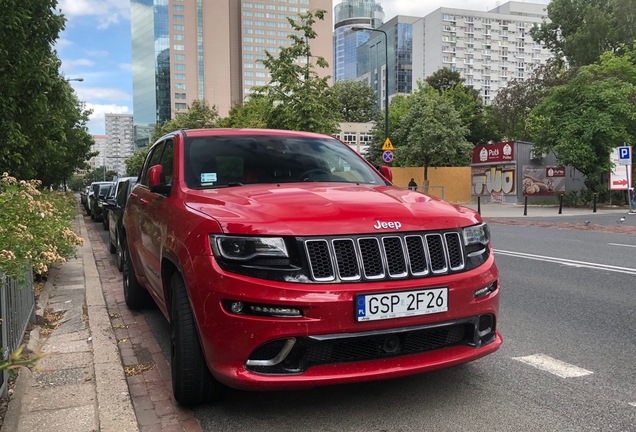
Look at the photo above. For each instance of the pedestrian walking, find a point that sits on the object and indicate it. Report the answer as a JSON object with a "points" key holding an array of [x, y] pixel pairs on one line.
{"points": [[412, 184]]}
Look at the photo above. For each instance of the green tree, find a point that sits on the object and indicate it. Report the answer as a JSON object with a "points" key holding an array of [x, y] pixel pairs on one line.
{"points": [[249, 114], [199, 116], [43, 123], [136, 161], [357, 101], [581, 30], [583, 120], [478, 119], [432, 132], [513, 104], [299, 99]]}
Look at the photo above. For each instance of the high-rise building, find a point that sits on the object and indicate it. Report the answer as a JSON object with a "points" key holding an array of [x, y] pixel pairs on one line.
{"points": [[119, 144], [184, 50], [374, 53], [488, 49], [349, 14]]}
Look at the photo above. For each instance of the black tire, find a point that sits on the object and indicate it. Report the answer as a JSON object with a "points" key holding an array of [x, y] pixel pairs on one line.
{"points": [[111, 247], [135, 295], [119, 251], [192, 382]]}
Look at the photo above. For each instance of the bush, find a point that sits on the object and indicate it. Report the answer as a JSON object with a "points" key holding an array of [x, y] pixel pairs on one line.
{"points": [[35, 227]]}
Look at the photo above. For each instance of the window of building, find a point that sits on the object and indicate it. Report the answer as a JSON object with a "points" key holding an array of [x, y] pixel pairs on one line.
{"points": [[180, 106], [248, 39], [178, 37], [179, 66], [180, 86], [178, 8], [178, 27], [177, 47], [179, 76], [248, 13], [179, 95], [179, 57], [178, 18]]}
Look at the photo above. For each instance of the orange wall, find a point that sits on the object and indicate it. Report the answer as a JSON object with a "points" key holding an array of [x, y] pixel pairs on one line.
{"points": [[456, 181]]}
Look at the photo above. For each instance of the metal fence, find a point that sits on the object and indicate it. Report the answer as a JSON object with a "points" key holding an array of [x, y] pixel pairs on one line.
{"points": [[436, 191], [17, 309]]}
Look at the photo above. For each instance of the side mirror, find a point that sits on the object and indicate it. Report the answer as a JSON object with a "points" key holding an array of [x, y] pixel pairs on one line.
{"points": [[385, 170], [156, 180], [111, 204]]}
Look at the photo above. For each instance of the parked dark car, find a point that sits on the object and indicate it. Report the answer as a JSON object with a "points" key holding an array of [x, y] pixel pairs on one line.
{"points": [[100, 190], [102, 203], [115, 206], [90, 197]]}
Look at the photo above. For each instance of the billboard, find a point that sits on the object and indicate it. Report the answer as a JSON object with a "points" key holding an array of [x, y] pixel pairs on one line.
{"points": [[542, 180]]}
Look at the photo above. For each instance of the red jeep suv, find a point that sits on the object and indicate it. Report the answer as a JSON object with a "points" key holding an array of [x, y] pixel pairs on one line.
{"points": [[284, 260]]}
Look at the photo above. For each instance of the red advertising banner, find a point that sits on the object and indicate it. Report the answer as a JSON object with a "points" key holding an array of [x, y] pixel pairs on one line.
{"points": [[502, 152]]}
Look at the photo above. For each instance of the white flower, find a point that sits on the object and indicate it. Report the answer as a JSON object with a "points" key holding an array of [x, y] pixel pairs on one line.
{"points": [[42, 215]]}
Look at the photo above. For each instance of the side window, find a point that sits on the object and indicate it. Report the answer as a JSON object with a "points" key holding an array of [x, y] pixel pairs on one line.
{"points": [[153, 158], [122, 193], [167, 161]]}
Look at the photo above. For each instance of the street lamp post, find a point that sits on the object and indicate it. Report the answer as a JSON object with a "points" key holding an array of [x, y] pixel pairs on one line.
{"points": [[386, 75]]}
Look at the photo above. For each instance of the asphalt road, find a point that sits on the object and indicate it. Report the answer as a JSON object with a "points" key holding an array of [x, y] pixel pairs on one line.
{"points": [[567, 363]]}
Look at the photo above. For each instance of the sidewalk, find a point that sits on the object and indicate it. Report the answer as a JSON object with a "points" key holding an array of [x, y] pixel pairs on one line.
{"points": [[84, 383], [81, 384]]}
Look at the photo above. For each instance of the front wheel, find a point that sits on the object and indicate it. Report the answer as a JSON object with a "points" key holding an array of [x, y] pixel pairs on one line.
{"points": [[135, 295], [119, 257], [192, 382]]}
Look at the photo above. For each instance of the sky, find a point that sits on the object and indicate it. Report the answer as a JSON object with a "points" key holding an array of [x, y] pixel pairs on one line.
{"points": [[95, 46]]}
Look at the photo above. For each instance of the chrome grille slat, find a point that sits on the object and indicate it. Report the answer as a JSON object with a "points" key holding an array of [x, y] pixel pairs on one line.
{"points": [[384, 256]]}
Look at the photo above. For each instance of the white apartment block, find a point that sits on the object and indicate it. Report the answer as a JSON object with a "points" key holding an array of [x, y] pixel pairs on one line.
{"points": [[489, 49], [119, 144]]}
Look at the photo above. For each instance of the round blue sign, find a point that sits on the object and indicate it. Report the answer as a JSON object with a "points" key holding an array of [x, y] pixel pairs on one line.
{"points": [[387, 156]]}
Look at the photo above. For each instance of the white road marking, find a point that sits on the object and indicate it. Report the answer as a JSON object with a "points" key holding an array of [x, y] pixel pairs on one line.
{"points": [[633, 404], [622, 245], [568, 262], [554, 366]]}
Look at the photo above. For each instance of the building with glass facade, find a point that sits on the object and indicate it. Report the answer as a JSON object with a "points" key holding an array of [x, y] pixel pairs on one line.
{"points": [[373, 55], [488, 49], [184, 50], [350, 13]]}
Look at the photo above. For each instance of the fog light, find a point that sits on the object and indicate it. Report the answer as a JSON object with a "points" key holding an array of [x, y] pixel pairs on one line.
{"points": [[481, 292], [275, 310], [242, 308], [236, 307]]}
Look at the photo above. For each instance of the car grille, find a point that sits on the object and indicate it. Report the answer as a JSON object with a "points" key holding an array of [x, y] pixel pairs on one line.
{"points": [[312, 351], [384, 257]]}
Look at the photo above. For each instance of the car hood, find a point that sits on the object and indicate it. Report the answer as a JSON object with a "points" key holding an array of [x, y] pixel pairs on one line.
{"points": [[326, 209]]}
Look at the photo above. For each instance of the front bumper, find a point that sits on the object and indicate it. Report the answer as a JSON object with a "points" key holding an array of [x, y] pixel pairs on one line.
{"points": [[327, 345]]}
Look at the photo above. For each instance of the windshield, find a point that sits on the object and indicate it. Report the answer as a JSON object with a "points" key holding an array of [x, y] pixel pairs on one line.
{"points": [[238, 160]]}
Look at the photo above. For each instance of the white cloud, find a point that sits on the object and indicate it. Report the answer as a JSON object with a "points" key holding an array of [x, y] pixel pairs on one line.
{"points": [[94, 94], [71, 64], [107, 12], [97, 123]]}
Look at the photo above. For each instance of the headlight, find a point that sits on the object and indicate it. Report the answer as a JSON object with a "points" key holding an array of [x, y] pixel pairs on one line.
{"points": [[248, 248], [477, 234]]}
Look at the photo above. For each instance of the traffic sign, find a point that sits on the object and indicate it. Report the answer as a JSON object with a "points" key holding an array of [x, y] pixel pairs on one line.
{"points": [[388, 145], [387, 156], [625, 155]]}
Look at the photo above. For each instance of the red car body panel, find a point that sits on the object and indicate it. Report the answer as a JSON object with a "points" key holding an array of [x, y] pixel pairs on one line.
{"points": [[167, 233]]}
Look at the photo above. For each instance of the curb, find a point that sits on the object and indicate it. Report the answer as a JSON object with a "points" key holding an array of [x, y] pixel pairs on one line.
{"points": [[12, 416]]}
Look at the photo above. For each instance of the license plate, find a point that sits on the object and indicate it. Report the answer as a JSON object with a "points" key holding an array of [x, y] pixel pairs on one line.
{"points": [[371, 307]]}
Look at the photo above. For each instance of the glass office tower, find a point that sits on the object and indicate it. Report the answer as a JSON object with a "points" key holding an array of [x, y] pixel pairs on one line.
{"points": [[350, 13]]}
